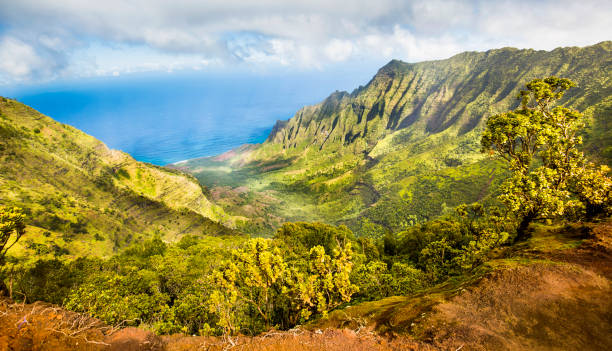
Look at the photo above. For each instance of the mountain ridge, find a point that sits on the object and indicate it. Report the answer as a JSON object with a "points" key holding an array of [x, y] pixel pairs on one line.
{"points": [[401, 112]]}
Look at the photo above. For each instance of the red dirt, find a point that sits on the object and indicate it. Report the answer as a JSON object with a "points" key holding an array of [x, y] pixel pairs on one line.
{"points": [[42, 326], [52, 328], [536, 307], [300, 340]]}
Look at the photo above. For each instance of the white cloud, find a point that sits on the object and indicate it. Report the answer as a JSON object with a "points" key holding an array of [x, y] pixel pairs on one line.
{"points": [[54, 38], [19, 61], [338, 50], [18, 58]]}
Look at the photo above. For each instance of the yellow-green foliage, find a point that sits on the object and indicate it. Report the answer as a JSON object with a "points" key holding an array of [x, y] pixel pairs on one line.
{"points": [[539, 141], [274, 283], [199, 285], [250, 278], [12, 228]]}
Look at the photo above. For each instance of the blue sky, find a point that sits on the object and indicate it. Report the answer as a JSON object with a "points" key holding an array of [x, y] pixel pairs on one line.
{"points": [[47, 40]]}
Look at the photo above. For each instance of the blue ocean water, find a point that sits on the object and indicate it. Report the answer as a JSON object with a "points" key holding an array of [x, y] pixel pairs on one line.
{"points": [[167, 118]]}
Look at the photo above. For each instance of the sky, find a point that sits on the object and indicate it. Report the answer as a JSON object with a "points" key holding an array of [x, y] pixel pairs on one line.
{"points": [[50, 40]]}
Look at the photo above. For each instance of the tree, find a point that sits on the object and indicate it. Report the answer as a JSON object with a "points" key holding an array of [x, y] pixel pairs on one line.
{"points": [[436, 258], [130, 297], [540, 143], [374, 280], [257, 288], [327, 283], [12, 224], [252, 278], [299, 237], [260, 273], [594, 189], [224, 300]]}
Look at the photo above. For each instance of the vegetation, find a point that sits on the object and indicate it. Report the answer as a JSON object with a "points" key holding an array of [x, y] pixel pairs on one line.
{"points": [[205, 285], [405, 148], [12, 225], [199, 285], [82, 198], [418, 210], [12, 228], [550, 176], [228, 285]]}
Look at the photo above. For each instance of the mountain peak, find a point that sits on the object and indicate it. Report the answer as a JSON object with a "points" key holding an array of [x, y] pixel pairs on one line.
{"points": [[393, 67]]}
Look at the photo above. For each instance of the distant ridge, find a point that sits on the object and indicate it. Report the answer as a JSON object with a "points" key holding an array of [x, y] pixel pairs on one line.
{"points": [[454, 94]]}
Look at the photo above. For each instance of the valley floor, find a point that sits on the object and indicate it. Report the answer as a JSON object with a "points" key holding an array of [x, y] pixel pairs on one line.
{"points": [[553, 292]]}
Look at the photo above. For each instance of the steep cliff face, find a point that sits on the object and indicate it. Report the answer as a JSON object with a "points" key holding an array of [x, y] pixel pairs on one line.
{"points": [[78, 191], [453, 95]]}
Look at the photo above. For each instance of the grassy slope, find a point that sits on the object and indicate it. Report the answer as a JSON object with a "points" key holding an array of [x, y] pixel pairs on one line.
{"points": [[406, 146], [87, 198]]}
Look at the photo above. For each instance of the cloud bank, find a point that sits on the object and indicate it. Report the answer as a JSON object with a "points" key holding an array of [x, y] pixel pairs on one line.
{"points": [[48, 39]]}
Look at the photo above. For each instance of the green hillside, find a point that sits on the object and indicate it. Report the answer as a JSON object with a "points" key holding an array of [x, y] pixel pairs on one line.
{"points": [[83, 198], [403, 149]]}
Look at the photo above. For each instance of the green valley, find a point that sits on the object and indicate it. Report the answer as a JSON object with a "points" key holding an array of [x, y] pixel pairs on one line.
{"points": [[403, 149]]}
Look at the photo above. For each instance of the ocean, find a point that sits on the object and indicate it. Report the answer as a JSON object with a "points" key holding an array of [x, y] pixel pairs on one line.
{"points": [[166, 118]]}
